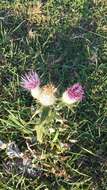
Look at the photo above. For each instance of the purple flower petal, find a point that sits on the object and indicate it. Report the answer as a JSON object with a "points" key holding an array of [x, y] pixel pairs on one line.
{"points": [[30, 80], [76, 92]]}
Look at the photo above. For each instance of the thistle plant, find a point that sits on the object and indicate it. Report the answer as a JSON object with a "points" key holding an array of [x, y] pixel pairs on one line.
{"points": [[50, 104]]}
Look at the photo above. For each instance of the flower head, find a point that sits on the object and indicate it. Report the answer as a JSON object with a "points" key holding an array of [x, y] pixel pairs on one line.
{"points": [[31, 82], [73, 94], [47, 96]]}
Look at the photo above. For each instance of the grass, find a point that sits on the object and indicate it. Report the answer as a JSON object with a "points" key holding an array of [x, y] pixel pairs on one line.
{"points": [[65, 42]]}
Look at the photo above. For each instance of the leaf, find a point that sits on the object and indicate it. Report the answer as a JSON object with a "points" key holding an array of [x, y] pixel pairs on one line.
{"points": [[16, 122], [40, 131], [55, 137]]}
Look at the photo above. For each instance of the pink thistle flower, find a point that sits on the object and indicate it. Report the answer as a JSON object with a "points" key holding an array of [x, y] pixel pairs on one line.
{"points": [[73, 94], [30, 81]]}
